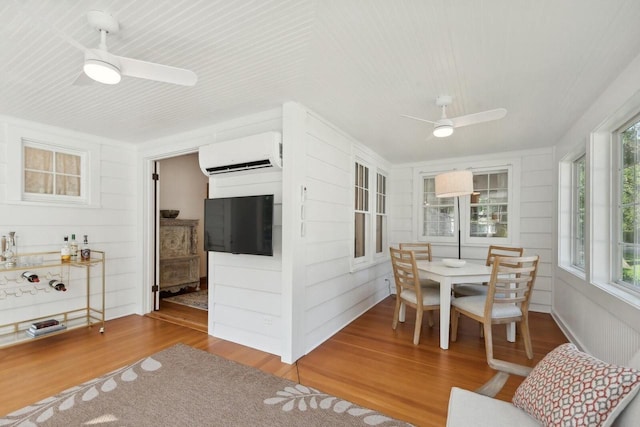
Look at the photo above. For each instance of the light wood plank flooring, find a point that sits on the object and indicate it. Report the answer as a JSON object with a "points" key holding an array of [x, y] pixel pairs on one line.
{"points": [[366, 362]]}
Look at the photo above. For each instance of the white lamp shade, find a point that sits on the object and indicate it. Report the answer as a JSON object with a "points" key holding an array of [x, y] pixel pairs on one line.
{"points": [[454, 183]]}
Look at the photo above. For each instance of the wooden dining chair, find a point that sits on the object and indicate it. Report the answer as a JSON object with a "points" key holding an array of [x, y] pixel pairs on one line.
{"points": [[409, 291], [422, 251], [507, 300], [468, 289]]}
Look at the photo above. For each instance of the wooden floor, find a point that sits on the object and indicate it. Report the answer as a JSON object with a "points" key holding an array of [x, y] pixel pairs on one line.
{"points": [[367, 362]]}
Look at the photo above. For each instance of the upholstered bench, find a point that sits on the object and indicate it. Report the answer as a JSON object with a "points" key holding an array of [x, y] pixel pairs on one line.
{"points": [[568, 387]]}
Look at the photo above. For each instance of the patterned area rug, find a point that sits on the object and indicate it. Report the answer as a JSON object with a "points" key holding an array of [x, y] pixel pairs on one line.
{"points": [[168, 388], [199, 299]]}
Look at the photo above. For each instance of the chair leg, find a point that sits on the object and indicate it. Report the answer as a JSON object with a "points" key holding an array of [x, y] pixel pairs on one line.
{"points": [[402, 312], [488, 340], [454, 324], [481, 326], [396, 314], [416, 333], [526, 336], [430, 318]]}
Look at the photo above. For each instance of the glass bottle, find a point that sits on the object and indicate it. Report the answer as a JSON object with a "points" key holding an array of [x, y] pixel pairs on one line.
{"points": [[31, 276], [57, 285], [85, 251], [65, 252], [73, 245]]}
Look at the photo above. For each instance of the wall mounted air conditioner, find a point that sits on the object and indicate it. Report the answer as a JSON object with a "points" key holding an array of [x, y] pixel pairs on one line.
{"points": [[246, 154]]}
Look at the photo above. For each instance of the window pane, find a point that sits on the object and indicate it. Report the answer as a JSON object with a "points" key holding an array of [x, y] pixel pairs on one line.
{"points": [[361, 210], [359, 235], [68, 185], [489, 205], [381, 210], [36, 159], [438, 214], [629, 212], [380, 227], [578, 213], [38, 182], [68, 164]]}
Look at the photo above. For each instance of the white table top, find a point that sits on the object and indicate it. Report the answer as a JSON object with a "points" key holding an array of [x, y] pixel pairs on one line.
{"points": [[469, 269]]}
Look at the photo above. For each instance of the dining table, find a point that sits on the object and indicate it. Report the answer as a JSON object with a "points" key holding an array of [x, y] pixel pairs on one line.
{"points": [[447, 276]]}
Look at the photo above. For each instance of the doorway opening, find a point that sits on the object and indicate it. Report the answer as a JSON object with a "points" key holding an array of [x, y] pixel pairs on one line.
{"points": [[180, 293]]}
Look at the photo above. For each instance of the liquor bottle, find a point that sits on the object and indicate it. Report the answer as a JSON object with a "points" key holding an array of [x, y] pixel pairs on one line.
{"points": [[73, 245], [31, 276], [65, 252], [85, 252], [57, 285]]}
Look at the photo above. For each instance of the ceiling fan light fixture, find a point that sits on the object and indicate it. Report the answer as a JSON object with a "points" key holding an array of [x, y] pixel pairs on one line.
{"points": [[102, 71], [442, 130]]}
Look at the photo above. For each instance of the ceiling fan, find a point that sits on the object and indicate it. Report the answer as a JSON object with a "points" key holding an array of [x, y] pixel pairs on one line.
{"points": [[445, 125], [105, 67]]}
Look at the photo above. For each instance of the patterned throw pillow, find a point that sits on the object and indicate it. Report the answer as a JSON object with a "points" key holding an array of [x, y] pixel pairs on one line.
{"points": [[571, 388]]}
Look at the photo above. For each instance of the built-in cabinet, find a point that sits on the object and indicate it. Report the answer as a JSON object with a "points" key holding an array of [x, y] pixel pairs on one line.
{"points": [[179, 258]]}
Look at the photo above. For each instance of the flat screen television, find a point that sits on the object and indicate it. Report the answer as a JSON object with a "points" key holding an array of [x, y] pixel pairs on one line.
{"points": [[239, 225]]}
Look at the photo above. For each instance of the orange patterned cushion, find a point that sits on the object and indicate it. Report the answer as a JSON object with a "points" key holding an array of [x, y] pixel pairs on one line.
{"points": [[571, 388]]}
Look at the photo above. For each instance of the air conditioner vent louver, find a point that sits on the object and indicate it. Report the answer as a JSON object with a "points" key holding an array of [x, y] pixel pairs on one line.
{"points": [[239, 167], [242, 155]]}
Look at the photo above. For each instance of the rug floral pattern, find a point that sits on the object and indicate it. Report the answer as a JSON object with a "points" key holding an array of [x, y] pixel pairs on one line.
{"points": [[304, 398], [39, 412]]}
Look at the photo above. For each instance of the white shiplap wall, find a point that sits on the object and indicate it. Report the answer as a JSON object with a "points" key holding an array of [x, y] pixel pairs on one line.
{"points": [[246, 290], [535, 195], [333, 294], [110, 225]]}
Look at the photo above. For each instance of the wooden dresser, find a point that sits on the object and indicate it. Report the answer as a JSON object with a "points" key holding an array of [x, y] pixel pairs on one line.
{"points": [[179, 259]]}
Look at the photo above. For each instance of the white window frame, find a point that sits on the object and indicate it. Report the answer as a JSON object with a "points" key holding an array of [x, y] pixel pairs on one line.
{"points": [[421, 220], [580, 160], [511, 166], [376, 165], [566, 210], [384, 196], [366, 258], [55, 198], [466, 209], [617, 256], [18, 136]]}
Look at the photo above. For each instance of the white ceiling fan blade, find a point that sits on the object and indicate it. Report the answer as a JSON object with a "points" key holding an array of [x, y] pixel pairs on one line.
{"points": [[158, 72], [417, 118], [484, 116]]}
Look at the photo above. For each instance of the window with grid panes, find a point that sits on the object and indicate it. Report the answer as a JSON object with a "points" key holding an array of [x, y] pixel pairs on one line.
{"points": [[628, 256], [578, 212], [381, 212], [51, 172], [361, 216], [489, 216], [438, 214]]}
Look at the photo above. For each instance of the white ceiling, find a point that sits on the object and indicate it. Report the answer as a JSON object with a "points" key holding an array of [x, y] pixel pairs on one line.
{"points": [[359, 63]]}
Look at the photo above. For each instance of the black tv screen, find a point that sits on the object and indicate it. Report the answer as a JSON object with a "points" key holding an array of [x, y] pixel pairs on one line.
{"points": [[239, 225]]}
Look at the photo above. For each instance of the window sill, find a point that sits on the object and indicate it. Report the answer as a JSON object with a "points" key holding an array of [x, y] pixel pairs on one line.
{"points": [[580, 274], [620, 293], [69, 204], [365, 265]]}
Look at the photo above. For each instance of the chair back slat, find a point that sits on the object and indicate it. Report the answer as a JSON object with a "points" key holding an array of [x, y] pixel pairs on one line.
{"points": [[405, 272], [502, 251], [512, 280], [422, 251]]}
